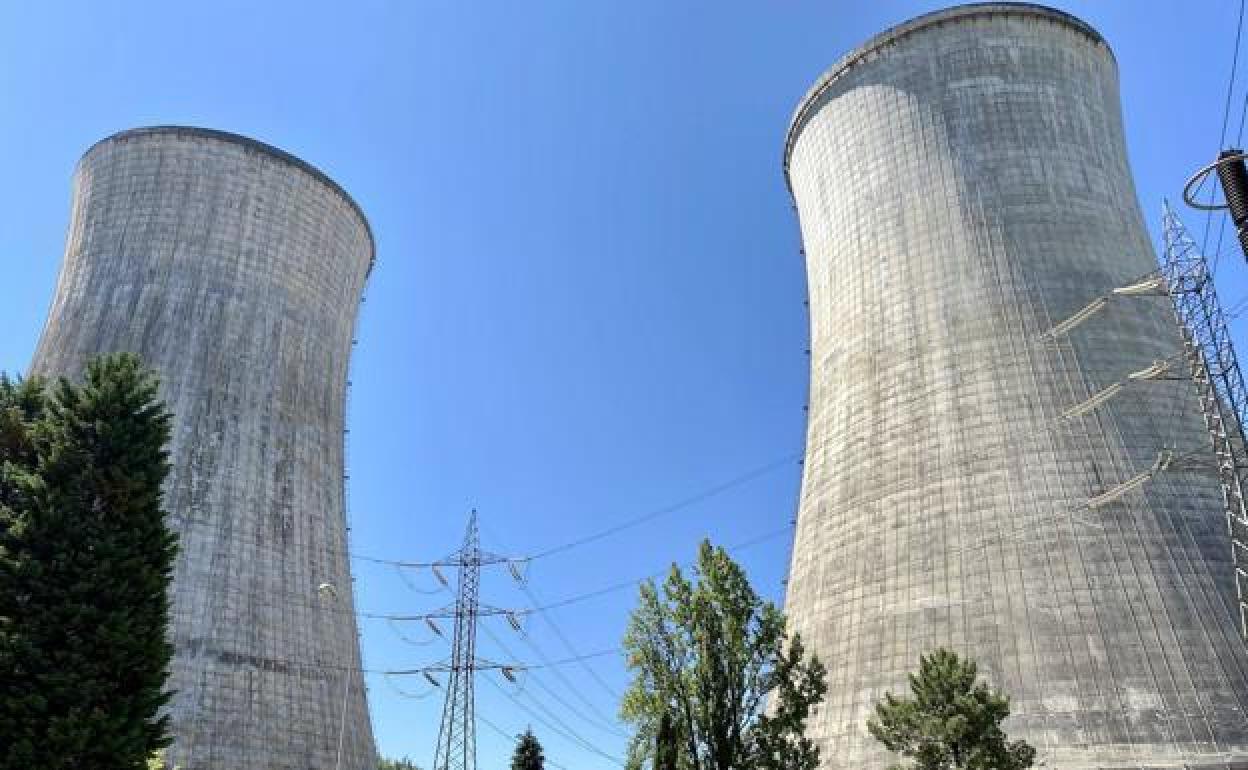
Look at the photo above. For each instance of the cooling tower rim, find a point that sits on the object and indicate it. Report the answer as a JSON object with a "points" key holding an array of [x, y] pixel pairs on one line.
{"points": [[806, 107], [254, 144]]}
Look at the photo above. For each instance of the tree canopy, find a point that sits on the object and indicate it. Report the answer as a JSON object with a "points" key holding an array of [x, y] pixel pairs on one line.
{"points": [[85, 564], [950, 720], [396, 764], [528, 755], [716, 673]]}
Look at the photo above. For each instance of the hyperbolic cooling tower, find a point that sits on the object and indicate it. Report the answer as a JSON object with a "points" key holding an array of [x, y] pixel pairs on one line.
{"points": [[236, 271], [962, 186]]}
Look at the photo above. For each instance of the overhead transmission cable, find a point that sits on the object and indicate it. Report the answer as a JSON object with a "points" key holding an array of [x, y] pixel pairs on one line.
{"points": [[737, 481], [614, 587], [508, 736], [1226, 114], [702, 496], [568, 644], [537, 604], [605, 724], [514, 666], [553, 724], [481, 718], [685, 503], [306, 600], [291, 663]]}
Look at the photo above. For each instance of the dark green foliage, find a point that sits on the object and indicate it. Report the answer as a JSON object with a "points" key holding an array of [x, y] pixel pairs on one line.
{"points": [[949, 721], [709, 655], [528, 755], [85, 564], [396, 764], [666, 748]]}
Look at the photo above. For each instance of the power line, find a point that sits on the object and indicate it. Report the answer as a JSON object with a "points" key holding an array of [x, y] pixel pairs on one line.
{"points": [[1230, 86], [614, 587], [636, 521], [564, 731], [305, 599], [551, 664], [504, 734], [604, 725], [685, 503], [569, 646], [290, 664], [1226, 114], [537, 604], [255, 540], [483, 720]]}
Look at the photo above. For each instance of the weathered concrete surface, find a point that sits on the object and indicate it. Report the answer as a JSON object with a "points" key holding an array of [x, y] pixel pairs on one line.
{"points": [[962, 184], [236, 271]]}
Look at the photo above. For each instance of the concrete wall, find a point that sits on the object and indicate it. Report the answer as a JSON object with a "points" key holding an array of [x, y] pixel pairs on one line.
{"points": [[236, 271], [962, 184]]}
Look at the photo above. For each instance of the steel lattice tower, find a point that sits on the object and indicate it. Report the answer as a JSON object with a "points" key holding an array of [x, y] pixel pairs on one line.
{"points": [[1219, 384], [457, 737]]}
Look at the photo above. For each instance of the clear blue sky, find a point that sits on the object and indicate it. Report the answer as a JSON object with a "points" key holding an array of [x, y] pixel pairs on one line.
{"points": [[588, 298]]}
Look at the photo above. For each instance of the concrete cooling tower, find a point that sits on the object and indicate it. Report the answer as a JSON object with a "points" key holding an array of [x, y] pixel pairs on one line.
{"points": [[235, 270], [962, 187]]}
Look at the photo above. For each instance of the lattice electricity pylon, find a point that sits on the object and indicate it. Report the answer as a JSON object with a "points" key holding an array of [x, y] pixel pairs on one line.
{"points": [[457, 736], [1219, 383]]}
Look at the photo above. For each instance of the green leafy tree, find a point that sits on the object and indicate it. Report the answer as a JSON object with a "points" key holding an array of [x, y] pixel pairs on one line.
{"points": [[950, 720], [85, 564], [157, 762], [396, 764], [528, 754], [715, 658], [666, 748]]}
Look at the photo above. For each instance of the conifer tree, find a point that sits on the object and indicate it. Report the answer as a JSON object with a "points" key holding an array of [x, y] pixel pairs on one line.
{"points": [[85, 564], [951, 721], [528, 755]]}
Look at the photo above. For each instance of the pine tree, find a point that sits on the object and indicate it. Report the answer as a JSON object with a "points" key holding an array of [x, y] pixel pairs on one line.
{"points": [[528, 754], [85, 564], [951, 721]]}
